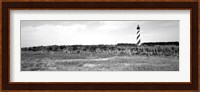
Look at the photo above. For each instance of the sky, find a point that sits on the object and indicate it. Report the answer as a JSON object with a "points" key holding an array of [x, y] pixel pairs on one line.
{"points": [[44, 32]]}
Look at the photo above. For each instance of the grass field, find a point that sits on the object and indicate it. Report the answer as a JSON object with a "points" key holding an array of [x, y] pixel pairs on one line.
{"points": [[60, 61]]}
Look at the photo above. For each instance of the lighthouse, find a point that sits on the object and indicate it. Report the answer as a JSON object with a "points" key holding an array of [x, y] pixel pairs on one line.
{"points": [[138, 35]]}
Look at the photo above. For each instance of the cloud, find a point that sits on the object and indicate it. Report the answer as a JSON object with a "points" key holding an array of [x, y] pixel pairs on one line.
{"points": [[50, 34]]}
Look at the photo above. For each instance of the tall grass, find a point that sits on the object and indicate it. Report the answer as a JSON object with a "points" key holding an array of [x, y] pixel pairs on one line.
{"points": [[155, 50], [101, 58], [32, 61]]}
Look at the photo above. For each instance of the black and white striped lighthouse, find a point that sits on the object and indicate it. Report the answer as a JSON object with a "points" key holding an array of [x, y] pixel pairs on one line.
{"points": [[138, 35]]}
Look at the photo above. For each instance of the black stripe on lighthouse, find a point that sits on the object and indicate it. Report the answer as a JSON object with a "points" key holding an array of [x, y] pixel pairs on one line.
{"points": [[138, 36], [138, 43]]}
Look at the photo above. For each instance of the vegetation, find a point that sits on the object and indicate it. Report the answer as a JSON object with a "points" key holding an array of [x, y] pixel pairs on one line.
{"points": [[121, 57], [152, 49]]}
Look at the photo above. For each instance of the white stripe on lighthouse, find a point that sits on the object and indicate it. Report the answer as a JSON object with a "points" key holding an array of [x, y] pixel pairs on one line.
{"points": [[138, 35]]}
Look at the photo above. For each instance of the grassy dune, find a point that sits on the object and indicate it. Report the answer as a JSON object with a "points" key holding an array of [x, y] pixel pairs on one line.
{"points": [[60, 61]]}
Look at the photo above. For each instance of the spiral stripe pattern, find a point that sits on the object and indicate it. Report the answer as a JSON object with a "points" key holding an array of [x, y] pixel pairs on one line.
{"points": [[138, 35]]}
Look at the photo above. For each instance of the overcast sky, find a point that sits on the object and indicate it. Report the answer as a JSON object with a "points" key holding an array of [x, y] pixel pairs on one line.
{"points": [[37, 33]]}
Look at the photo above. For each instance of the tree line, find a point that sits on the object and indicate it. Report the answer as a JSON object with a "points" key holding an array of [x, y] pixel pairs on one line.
{"points": [[157, 48]]}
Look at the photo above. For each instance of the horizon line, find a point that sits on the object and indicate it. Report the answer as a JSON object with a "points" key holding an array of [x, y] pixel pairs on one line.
{"points": [[94, 44]]}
